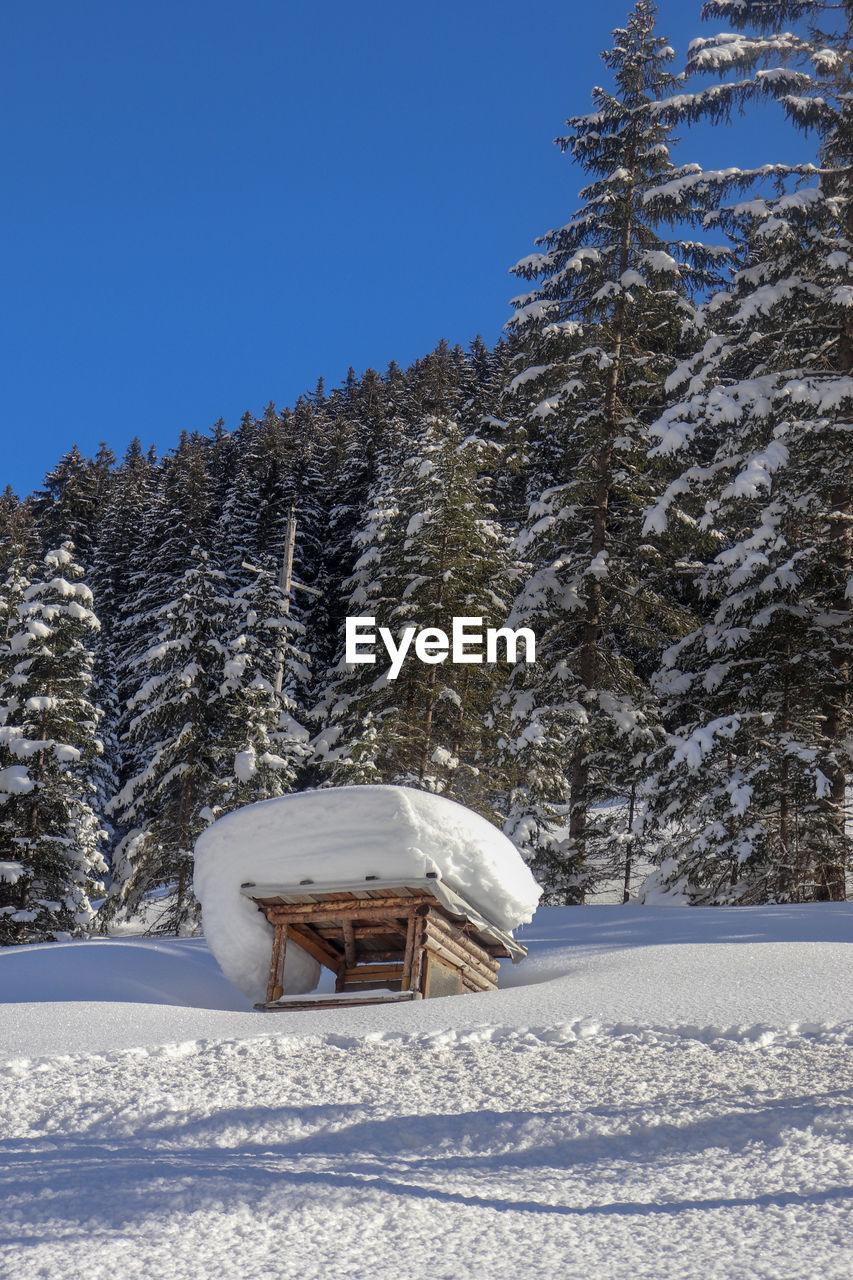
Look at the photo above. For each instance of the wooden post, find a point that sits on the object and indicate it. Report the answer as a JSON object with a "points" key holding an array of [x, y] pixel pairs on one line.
{"points": [[409, 961], [419, 949], [275, 989], [349, 942]]}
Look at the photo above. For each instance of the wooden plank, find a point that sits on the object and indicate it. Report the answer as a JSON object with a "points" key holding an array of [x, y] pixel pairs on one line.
{"points": [[316, 946], [338, 1002], [279, 951], [396, 956], [361, 909], [368, 930], [373, 972], [409, 958], [396, 896]]}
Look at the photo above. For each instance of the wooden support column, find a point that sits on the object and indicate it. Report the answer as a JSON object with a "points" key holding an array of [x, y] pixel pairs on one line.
{"points": [[323, 952], [275, 989], [348, 961], [349, 942], [419, 946], [409, 959]]}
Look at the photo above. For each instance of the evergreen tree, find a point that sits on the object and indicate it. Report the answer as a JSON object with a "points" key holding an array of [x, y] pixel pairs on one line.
{"points": [[753, 790], [175, 729], [432, 552], [600, 332], [262, 743], [344, 474], [70, 503], [16, 535], [115, 558], [48, 748]]}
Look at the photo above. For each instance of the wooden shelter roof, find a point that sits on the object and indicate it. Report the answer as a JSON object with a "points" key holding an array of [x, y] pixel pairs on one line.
{"points": [[457, 907]]}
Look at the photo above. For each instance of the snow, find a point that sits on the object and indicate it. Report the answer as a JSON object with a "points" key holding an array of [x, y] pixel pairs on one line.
{"points": [[345, 834], [14, 780], [245, 765], [658, 1093]]}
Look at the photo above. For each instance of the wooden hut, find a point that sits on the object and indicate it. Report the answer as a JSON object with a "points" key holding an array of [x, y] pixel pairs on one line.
{"points": [[383, 939]]}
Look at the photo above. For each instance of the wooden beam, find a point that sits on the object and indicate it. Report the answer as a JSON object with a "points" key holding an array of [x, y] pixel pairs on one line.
{"points": [[461, 956], [347, 1001], [473, 982], [363, 909], [369, 930], [462, 939], [316, 946], [349, 942], [279, 951], [456, 961], [409, 958], [374, 957], [374, 973]]}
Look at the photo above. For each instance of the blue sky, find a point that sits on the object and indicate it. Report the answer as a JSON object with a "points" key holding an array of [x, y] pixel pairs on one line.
{"points": [[209, 205]]}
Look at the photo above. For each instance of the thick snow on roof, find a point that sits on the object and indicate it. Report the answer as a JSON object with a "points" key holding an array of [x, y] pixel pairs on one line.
{"points": [[346, 834]]}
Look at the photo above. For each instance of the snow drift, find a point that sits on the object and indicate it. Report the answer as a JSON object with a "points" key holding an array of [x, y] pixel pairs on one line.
{"points": [[345, 834]]}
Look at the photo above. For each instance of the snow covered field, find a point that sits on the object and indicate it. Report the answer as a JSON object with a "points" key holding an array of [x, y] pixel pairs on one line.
{"points": [[655, 1093]]}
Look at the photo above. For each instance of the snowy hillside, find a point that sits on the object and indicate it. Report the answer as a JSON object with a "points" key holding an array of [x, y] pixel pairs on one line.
{"points": [[654, 1093]]}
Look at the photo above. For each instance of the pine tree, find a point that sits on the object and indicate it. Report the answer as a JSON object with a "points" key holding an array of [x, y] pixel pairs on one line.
{"points": [[118, 551], [175, 731], [16, 534], [262, 743], [753, 790], [48, 749], [600, 332], [70, 503], [345, 473], [432, 551]]}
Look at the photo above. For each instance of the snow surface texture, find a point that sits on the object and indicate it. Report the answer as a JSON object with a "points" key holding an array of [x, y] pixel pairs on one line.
{"points": [[338, 835], [663, 1094]]}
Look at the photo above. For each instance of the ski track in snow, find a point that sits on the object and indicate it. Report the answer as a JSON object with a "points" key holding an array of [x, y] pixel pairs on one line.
{"points": [[430, 1141]]}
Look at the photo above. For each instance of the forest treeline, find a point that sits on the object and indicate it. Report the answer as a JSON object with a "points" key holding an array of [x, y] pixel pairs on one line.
{"points": [[652, 471]]}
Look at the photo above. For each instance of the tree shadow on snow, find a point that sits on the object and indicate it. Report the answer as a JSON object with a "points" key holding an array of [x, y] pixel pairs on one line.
{"points": [[58, 1181]]}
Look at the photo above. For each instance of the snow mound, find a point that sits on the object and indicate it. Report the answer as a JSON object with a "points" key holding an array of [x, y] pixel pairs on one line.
{"points": [[338, 835]]}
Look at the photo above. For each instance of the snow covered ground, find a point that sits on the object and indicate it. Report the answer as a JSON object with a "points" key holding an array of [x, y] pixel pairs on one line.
{"points": [[656, 1092]]}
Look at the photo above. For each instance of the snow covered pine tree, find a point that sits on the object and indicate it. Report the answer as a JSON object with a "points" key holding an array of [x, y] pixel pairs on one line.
{"points": [[262, 743], [211, 730], [752, 796], [48, 749], [174, 733], [432, 551], [609, 317]]}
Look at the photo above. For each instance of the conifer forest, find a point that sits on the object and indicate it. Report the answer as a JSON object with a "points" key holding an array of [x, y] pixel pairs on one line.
{"points": [[652, 470]]}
